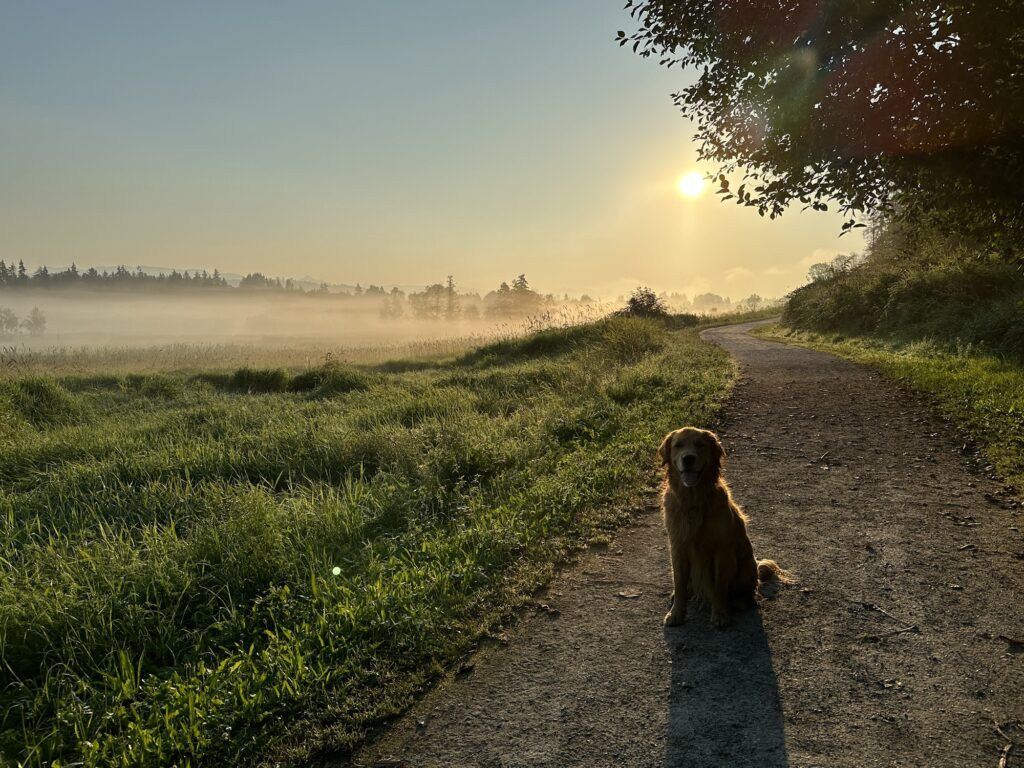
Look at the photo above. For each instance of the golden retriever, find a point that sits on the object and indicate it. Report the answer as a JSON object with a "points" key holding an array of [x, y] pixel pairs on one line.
{"points": [[707, 531]]}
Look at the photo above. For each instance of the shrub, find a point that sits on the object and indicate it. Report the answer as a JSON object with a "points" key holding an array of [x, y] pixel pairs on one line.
{"points": [[329, 379], [255, 380], [644, 303]]}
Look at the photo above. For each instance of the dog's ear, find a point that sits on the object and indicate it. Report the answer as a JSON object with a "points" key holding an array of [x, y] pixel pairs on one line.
{"points": [[665, 449], [717, 453]]}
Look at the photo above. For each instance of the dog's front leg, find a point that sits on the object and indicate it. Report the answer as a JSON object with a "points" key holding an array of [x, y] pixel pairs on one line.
{"points": [[681, 584], [725, 573]]}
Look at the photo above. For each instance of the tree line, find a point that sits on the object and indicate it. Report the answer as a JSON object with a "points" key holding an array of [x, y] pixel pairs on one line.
{"points": [[442, 301], [17, 276]]}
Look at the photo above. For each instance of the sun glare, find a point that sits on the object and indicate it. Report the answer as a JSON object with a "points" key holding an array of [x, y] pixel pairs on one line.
{"points": [[691, 184]]}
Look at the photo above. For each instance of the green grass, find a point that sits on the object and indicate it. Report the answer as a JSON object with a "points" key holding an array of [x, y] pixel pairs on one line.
{"points": [[912, 285], [982, 392], [253, 566]]}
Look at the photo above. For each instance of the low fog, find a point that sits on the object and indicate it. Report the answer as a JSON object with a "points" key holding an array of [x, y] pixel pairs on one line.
{"points": [[104, 319], [85, 319], [87, 310]]}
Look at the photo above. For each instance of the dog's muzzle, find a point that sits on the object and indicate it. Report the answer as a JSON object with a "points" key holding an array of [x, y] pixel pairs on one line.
{"points": [[688, 471]]}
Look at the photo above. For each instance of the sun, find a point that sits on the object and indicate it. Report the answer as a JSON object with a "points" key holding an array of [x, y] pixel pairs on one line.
{"points": [[691, 184]]}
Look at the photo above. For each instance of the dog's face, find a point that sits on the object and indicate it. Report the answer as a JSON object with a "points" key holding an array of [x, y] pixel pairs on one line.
{"points": [[696, 454]]}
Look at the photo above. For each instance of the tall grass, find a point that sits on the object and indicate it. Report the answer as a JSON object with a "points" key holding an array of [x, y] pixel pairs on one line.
{"points": [[216, 568]]}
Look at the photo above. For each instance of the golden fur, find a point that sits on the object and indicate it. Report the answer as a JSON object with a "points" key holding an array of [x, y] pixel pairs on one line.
{"points": [[711, 554]]}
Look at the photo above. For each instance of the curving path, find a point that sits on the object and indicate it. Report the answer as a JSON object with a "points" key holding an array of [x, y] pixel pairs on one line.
{"points": [[896, 649]]}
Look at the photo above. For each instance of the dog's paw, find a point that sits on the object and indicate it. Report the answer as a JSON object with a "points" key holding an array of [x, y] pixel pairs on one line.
{"points": [[720, 618], [674, 618]]}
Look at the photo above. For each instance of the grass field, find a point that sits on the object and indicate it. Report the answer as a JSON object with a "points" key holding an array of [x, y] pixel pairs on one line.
{"points": [[980, 391], [241, 567], [21, 361]]}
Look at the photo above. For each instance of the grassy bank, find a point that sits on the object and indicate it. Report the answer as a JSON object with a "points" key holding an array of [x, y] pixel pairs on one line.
{"points": [[202, 569], [913, 285], [982, 392]]}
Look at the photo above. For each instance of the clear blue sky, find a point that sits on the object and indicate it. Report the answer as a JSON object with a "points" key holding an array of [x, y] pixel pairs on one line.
{"points": [[385, 142]]}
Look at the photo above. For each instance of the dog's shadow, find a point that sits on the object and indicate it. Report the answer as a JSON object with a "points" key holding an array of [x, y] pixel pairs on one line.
{"points": [[723, 704]]}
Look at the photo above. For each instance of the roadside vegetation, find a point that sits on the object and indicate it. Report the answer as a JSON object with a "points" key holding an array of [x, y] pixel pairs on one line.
{"points": [[231, 567], [912, 284]]}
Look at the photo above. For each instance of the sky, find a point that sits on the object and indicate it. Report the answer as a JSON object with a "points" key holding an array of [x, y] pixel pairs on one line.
{"points": [[388, 142]]}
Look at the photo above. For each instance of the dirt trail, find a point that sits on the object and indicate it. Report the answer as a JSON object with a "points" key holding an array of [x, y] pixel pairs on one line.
{"points": [[855, 486]]}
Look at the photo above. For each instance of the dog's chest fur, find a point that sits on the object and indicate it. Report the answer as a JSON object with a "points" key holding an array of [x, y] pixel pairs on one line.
{"points": [[689, 513], [694, 520]]}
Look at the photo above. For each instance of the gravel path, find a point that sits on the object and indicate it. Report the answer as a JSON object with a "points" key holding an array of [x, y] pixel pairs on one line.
{"points": [[896, 649]]}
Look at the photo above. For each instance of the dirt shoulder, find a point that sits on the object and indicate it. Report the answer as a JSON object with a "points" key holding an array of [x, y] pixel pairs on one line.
{"points": [[897, 647]]}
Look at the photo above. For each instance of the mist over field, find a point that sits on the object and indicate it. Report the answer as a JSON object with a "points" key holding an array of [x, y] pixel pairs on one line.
{"points": [[138, 320], [90, 309]]}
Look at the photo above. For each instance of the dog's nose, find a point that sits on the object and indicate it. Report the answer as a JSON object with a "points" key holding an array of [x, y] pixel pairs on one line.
{"points": [[688, 460]]}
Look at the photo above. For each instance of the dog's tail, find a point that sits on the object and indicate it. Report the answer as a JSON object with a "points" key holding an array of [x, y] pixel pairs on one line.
{"points": [[769, 570]]}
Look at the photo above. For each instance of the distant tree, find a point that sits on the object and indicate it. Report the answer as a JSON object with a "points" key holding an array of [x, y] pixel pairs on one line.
{"points": [[257, 281], [499, 303], [524, 299], [451, 300], [429, 304], [35, 323], [702, 301], [8, 322], [752, 302], [644, 302], [393, 305]]}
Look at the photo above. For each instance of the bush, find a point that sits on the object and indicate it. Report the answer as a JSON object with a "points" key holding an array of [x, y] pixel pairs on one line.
{"points": [[256, 380], [329, 379], [644, 303]]}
